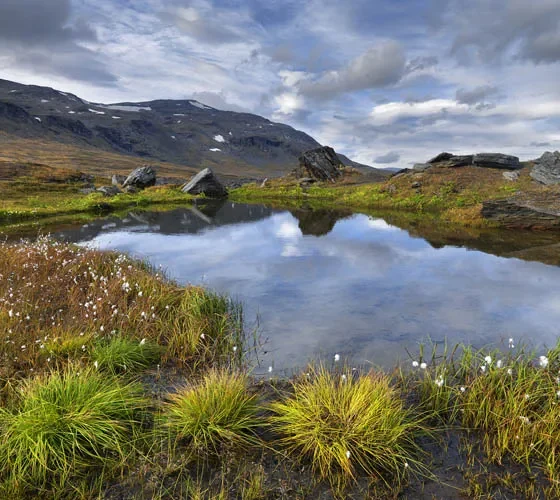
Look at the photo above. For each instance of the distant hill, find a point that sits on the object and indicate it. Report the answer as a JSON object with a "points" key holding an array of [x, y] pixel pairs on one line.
{"points": [[182, 132]]}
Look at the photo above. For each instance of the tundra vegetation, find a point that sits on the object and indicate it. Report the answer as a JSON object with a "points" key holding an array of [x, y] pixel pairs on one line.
{"points": [[116, 382]]}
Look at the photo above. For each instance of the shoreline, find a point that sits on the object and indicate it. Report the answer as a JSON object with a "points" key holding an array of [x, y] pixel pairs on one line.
{"points": [[466, 423]]}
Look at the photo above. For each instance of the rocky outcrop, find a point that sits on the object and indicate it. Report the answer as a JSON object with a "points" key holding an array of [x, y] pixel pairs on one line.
{"points": [[421, 167], [547, 168], [141, 177], [496, 160], [459, 161], [109, 191], [521, 214], [441, 157], [205, 182], [321, 164]]}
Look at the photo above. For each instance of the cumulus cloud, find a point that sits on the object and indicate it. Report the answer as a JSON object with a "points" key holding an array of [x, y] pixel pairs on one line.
{"points": [[379, 66], [390, 157]]}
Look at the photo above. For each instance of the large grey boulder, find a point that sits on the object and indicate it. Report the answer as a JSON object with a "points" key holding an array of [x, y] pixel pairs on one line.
{"points": [[321, 164], [496, 160], [421, 167], [441, 157], [141, 177], [109, 191], [459, 161], [205, 182], [547, 168]]}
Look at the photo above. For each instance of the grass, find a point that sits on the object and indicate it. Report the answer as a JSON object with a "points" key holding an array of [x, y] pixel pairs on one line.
{"points": [[345, 425], [115, 380], [119, 355], [508, 400], [26, 200], [60, 303], [215, 412], [65, 423], [454, 195]]}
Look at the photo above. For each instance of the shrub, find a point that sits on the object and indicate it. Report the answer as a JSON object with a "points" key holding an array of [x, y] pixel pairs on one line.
{"points": [[63, 423], [217, 411], [345, 425]]}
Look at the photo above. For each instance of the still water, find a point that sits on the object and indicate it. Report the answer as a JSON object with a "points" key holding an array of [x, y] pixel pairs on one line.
{"points": [[322, 283]]}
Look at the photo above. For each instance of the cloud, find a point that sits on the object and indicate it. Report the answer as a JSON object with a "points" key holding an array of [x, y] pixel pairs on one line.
{"points": [[211, 24], [393, 111], [476, 95], [378, 66], [421, 63], [390, 157], [33, 22], [494, 30], [46, 38]]}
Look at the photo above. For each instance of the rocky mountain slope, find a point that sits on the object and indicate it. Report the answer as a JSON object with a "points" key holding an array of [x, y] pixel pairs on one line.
{"points": [[183, 132]]}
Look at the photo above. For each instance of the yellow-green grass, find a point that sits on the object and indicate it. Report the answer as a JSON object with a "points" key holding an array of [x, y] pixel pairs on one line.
{"points": [[25, 200], [455, 195], [122, 355], [58, 302], [64, 424], [214, 412], [346, 426], [510, 400]]}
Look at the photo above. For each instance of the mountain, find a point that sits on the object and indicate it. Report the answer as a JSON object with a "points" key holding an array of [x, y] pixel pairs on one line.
{"points": [[182, 132]]}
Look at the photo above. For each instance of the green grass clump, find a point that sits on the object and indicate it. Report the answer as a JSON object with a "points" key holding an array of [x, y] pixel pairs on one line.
{"points": [[65, 423], [347, 425], [120, 354], [217, 411]]}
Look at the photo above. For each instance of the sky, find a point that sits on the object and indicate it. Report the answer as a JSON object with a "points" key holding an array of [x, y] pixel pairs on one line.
{"points": [[387, 82]]}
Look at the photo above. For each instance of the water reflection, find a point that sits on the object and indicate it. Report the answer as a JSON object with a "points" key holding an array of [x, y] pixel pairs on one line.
{"points": [[342, 283]]}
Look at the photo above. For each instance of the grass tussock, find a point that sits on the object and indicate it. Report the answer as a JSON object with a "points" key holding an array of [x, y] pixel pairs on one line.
{"points": [[215, 412], [345, 425], [64, 423], [122, 355]]}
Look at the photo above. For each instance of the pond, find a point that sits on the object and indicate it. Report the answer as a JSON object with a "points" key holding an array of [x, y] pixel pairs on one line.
{"points": [[322, 282]]}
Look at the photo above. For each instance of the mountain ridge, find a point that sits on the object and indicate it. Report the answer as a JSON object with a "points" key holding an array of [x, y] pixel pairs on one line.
{"points": [[183, 132]]}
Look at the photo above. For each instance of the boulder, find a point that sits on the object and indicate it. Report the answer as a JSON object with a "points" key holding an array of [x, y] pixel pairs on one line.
{"points": [[459, 161], [205, 182], [141, 177], [496, 160], [521, 214], [547, 168], [321, 164], [441, 157], [511, 175], [117, 180], [420, 167], [109, 191]]}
